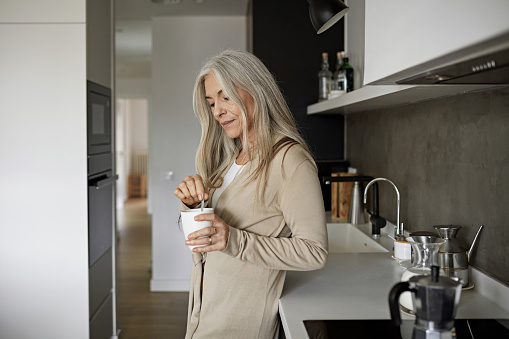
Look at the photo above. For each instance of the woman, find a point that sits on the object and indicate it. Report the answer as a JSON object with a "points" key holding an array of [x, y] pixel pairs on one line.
{"points": [[256, 171]]}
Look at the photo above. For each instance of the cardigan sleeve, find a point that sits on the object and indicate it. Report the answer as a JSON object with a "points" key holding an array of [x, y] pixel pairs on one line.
{"points": [[301, 204]]}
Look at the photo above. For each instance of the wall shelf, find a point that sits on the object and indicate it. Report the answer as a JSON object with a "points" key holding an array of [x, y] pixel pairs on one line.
{"points": [[373, 97]]}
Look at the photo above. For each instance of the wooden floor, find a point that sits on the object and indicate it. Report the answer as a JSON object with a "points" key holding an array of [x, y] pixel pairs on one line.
{"points": [[142, 314]]}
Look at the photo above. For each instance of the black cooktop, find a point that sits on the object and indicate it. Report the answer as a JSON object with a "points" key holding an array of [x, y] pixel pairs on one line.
{"points": [[360, 329]]}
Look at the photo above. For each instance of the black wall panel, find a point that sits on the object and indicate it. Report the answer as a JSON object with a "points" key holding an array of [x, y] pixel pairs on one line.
{"points": [[285, 40]]}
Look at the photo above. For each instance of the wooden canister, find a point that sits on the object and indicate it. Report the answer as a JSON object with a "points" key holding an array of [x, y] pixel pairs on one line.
{"points": [[341, 195]]}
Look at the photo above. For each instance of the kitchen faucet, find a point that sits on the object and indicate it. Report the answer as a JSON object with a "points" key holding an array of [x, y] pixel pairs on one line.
{"points": [[377, 222], [398, 232]]}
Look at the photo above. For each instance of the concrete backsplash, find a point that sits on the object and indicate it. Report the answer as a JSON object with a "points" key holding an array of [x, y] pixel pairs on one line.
{"points": [[450, 160]]}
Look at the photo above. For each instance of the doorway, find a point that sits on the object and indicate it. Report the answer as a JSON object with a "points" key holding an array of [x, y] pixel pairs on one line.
{"points": [[140, 313], [131, 149]]}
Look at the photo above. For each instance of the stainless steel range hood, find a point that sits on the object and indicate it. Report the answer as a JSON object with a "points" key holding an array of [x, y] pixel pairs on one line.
{"points": [[489, 65], [488, 69]]}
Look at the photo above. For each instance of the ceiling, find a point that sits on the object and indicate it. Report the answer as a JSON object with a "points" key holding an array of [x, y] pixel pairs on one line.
{"points": [[133, 26]]}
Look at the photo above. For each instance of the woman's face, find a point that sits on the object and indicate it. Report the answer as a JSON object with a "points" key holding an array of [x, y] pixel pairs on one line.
{"points": [[225, 111]]}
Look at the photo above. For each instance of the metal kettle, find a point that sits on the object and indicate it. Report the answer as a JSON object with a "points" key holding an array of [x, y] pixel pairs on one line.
{"points": [[454, 258], [435, 300]]}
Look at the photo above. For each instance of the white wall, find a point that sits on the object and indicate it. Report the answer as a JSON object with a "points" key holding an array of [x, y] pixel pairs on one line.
{"points": [[138, 124], [133, 87], [43, 196], [132, 136], [180, 47], [130, 88], [120, 153]]}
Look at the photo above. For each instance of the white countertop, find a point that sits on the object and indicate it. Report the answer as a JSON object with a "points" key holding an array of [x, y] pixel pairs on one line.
{"points": [[356, 286]]}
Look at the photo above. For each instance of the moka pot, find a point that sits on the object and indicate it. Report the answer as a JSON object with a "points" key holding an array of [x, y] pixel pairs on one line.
{"points": [[435, 300]]}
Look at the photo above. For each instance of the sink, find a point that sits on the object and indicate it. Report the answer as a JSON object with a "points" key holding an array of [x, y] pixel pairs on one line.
{"points": [[347, 238]]}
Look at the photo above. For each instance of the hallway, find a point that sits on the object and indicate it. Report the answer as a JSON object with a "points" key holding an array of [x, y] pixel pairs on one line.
{"points": [[142, 314]]}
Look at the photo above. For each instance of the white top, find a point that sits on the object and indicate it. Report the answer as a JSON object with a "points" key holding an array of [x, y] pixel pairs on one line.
{"points": [[228, 178]]}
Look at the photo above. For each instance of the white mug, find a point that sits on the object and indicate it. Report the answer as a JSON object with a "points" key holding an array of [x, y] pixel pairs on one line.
{"points": [[190, 225], [402, 250]]}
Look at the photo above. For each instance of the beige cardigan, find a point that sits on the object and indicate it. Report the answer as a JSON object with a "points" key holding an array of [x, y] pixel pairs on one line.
{"points": [[242, 284]]}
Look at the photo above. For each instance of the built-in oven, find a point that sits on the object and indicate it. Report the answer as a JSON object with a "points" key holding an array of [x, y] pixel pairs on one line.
{"points": [[101, 211], [99, 119], [100, 205]]}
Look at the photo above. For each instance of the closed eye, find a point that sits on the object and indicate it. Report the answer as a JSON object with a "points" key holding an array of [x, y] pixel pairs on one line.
{"points": [[209, 101]]}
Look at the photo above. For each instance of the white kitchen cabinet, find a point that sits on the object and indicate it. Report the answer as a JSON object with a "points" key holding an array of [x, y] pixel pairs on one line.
{"points": [[401, 34], [43, 202], [44, 279]]}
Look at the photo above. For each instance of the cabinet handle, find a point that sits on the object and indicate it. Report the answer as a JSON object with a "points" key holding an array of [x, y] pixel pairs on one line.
{"points": [[104, 182]]}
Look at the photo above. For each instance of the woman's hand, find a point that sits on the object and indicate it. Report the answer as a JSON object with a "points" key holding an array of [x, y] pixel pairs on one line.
{"points": [[215, 237], [191, 190]]}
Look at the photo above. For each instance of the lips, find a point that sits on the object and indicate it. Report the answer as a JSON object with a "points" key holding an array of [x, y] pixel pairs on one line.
{"points": [[227, 123]]}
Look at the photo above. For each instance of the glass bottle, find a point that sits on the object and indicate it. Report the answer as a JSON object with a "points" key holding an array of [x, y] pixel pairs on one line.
{"points": [[324, 79], [347, 72], [338, 76]]}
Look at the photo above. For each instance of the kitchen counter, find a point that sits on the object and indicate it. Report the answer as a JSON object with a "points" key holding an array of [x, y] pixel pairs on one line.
{"points": [[355, 286]]}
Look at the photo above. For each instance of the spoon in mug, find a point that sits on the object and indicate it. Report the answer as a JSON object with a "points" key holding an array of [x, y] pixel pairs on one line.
{"points": [[202, 205]]}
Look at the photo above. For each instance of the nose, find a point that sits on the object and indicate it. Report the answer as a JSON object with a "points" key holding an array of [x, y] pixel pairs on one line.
{"points": [[218, 110]]}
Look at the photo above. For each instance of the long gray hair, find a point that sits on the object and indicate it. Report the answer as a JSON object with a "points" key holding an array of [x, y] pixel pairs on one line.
{"points": [[273, 124]]}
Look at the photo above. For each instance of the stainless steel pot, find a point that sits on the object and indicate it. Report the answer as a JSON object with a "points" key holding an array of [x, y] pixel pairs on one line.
{"points": [[454, 258]]}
